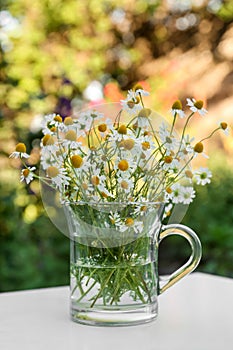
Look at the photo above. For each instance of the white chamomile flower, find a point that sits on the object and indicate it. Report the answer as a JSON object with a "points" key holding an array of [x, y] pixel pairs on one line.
{"points": [[87, 119], [47, 123], [131, 223], [177, 109], [104, 191], [202, 176], [138, 226], [198, 149], [58, 177], [48, 158], [115, 219], [186, 147], [105, 127], [170, 143], [51, 122], [85, 187], [70, 140], [20, 151], [27, 174], [143, 120], [171, 163], [225, 128], [187, 195], [175, 195], [132, 103], [125, 184], [196, 106], [49, 143], [142, 208]]}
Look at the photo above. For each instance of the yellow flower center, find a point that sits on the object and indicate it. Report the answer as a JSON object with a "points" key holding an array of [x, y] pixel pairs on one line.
{"points": [[102, 127], [68, 121], [144, 208], [223, 125], [52, 171], [47, 140], [53, 128], [129, 222], [189, 174], [168, 159], [145, 145], [95, 180], [122, 129], [20, 147], [123, 165], [71, 135], [177, 105], [137, 87], [58, 118], [198, 104], [124, 185], [103, 194], [131, 104], [128, 144], [26, 172], [76, 161], [198, 148], [84, 186], [169, 190], [144, 113]]}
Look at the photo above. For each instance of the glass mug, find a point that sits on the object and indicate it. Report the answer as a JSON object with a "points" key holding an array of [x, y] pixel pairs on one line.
{"points": [[114, 247]]}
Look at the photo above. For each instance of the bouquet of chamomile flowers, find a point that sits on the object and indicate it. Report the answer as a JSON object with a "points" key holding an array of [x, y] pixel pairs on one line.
{"points": [[122, 158]]}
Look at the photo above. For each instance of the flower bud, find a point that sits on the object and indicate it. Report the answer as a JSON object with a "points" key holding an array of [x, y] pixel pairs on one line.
{"points": [[223, 125]]}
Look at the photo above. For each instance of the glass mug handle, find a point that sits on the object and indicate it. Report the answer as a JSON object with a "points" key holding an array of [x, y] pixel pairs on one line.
{"points": [[191, 264]]}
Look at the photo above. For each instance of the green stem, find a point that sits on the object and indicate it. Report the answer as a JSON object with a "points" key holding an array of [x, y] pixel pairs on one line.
{"points": [[102, 288]]}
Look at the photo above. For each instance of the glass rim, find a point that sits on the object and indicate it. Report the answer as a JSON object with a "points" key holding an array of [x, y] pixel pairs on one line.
{"points": [[161, 203]]}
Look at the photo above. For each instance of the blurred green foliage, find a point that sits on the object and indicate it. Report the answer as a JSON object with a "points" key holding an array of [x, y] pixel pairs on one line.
{"points": [[210, 215], [33, 254], [49, 52]]}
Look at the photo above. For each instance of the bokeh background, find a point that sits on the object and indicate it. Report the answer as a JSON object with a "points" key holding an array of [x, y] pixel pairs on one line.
{"points": [[56, 56]]}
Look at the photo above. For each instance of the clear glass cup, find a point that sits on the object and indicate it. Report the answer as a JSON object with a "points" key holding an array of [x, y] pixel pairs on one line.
{"points": [[114, 247]]}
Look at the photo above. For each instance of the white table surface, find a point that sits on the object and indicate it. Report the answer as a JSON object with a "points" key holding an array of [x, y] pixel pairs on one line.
{"points": [[194, 314]]}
